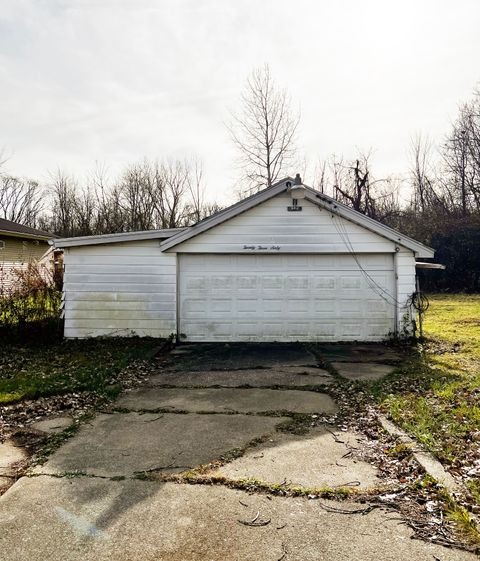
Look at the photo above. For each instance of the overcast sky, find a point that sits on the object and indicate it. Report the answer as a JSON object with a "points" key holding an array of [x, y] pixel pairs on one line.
{"points": [[116, 80]]}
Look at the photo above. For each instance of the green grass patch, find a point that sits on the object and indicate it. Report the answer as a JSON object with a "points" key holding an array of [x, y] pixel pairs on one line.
{"points": [[435, 396], [32, 371]]}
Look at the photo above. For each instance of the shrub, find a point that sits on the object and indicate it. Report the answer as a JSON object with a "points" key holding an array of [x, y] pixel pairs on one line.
{"points": [[30, 304]]}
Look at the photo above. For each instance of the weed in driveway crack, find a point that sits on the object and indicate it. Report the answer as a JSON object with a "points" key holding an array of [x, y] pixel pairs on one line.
{"points": [[54, 441]]}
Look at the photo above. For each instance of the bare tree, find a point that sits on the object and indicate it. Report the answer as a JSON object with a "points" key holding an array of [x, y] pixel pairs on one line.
{"points": [[320, 176], [196, 188], [420, 171], [264, 130], [353, 185], [20, 200], [63, 190], [461, 155]]}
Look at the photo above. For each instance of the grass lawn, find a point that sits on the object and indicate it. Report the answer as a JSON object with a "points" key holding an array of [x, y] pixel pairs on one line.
{"points": [[436, 396], [31, 371]]}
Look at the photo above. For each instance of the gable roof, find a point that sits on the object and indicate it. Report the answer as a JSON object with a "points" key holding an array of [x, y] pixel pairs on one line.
{"points": [[9, 228], [314, 197], [116, 238]]}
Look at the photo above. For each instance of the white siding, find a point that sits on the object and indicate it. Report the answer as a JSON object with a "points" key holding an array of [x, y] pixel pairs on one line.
{"points": [[120, 289], [271, 226], [405, 270]]}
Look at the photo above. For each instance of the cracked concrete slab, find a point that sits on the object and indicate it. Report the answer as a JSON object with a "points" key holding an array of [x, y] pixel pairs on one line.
{"points": [[314, 460], [359, 353], [122, 444], [234, 356], [363, 371], [9, 456], [53, 425], [227, 399], [86, 519], [294, 376]]}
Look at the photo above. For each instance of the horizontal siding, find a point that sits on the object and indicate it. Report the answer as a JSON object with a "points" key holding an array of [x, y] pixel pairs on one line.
{"points": [[17, 253], [116, 259], [271, 226], [120, 290], [101, 331]]}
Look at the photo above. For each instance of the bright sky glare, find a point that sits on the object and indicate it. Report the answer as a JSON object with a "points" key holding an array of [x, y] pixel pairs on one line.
{"points": [[116, 80]]}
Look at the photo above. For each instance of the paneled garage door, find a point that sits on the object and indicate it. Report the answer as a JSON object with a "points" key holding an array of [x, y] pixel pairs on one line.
{"points": [[285, 297]]}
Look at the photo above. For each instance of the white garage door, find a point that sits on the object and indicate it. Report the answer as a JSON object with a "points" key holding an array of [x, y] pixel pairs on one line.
{"points": [[285, 297]]}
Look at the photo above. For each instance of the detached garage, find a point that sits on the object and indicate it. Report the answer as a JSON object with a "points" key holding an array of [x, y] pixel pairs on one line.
{"points": [[287, 264]]}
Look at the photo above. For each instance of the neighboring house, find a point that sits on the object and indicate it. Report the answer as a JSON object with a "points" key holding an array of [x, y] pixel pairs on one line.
{"points": [[20, 245], [286, 264]]}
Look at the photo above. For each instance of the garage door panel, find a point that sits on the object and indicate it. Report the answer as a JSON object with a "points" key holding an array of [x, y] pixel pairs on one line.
{"points": [[297, 283], [352, 308], [272, 306], [193, 307], [197, 283], [324, 329], [247, 282], [247, 305], [222, 305], [272, 282], [325, 307], [285, 297], [350, 282], [323, 283], [351, 330], [298, 307]]}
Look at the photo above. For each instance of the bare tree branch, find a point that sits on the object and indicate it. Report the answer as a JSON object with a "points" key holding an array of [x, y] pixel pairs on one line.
{"points": [[264, 131]]}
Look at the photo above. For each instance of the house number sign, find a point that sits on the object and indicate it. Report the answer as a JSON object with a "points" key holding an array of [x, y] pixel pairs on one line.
{"points": [[262, 247]]}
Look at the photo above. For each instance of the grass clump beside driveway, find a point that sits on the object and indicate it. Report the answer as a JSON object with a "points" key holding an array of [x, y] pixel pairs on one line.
{"points": [[36, 370], [436, 395]]}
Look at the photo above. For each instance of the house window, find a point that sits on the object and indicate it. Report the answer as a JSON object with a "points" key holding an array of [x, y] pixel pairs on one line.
{"points": [[2, 244]]}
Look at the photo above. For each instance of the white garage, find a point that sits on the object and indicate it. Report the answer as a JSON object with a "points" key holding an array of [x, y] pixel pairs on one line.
{"points": [[283, 297], [273, 267]]}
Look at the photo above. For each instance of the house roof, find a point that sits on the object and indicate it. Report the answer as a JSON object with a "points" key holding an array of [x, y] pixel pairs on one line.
{"points": [[9, 228], [314, 197], [116, 238], [176, 236]]}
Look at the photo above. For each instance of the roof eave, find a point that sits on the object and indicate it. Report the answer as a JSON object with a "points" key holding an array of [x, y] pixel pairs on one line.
{"points": [[26, 236], [114, 238], [348, 213], [227, 214]]}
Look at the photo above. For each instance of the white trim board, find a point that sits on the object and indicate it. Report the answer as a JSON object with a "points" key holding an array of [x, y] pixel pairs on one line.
{"points": [[116, 238]]}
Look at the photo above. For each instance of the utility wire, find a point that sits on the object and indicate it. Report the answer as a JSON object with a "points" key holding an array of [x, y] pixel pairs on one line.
{"points": [[372, 283]]}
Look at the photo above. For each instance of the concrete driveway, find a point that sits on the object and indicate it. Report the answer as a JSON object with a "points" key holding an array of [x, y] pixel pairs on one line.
{"points": [[121, 489]]}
